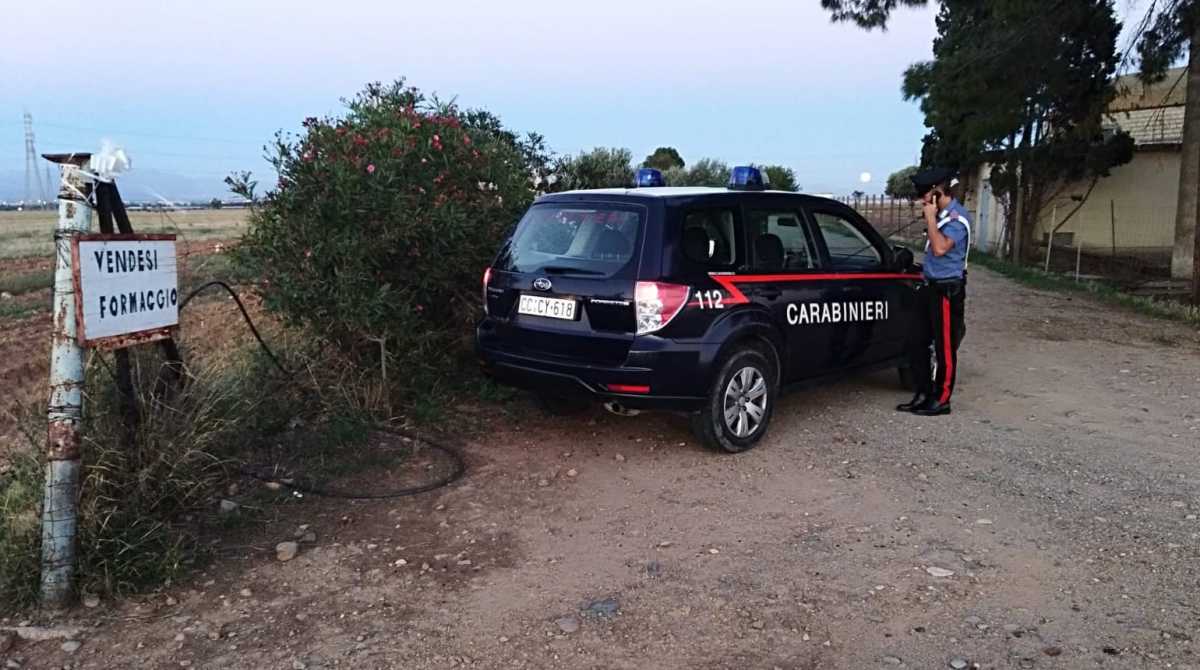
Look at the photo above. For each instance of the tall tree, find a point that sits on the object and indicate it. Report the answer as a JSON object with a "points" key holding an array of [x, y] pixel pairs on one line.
{"points": [[664, 158], [867, 13], [1174, 29], [1018, 84]]}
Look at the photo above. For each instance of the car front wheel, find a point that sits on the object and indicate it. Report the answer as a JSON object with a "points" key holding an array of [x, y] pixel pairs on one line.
{"points": [[740, 403]]}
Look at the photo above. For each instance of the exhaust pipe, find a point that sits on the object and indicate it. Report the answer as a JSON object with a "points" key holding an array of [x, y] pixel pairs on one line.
{"points": [[619, 409]]}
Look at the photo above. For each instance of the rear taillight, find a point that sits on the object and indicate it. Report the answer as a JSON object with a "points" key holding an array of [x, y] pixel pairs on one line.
{"points": [[658, 303], [487, 279]]}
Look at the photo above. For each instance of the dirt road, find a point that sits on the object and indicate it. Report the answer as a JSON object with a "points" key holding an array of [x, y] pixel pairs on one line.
{"points": [[1062, 495]]}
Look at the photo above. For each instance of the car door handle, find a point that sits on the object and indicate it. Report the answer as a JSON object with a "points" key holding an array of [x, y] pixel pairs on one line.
{"points": [[769, 292]]}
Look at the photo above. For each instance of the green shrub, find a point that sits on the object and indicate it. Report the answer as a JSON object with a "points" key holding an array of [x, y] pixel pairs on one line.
{"points": [[383, 221], [147, 506], [20, 530]]}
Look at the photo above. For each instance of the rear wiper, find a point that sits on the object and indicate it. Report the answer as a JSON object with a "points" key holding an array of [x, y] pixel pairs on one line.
{"points": [[564, 270]]}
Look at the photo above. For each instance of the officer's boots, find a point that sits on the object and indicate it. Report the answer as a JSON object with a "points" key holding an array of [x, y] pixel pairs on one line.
{"points": [[931, 407], [917, 400]]}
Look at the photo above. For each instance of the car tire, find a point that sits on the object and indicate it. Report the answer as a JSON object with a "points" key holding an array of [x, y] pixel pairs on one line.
{"points": [[562, 405], [728, 421]]}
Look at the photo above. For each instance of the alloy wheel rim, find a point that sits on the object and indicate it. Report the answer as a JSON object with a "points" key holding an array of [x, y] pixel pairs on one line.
{"points": [[745, 402]]}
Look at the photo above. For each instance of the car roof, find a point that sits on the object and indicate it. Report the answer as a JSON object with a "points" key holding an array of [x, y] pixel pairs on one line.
{"points": [[673, 192]]}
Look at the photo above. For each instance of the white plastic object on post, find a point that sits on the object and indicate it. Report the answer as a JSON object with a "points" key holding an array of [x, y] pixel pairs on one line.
{"points": [[109, 162]]}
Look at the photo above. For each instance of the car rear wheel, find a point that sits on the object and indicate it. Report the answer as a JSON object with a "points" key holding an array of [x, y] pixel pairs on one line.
{"points": [[740, 403]]}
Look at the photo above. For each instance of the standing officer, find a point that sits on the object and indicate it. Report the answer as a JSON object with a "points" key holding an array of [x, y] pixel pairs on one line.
{"points": [[942, 296]]}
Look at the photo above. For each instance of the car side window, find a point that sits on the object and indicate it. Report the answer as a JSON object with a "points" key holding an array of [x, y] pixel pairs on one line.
{"points": [[780, 241], [710, 237], [848, 248]]}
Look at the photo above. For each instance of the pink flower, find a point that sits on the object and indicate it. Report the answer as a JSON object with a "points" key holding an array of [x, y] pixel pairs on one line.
{"points": [[371, 168]]}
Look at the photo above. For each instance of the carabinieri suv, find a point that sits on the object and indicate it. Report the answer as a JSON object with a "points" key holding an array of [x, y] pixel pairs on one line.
{"points": [[708, 301]]}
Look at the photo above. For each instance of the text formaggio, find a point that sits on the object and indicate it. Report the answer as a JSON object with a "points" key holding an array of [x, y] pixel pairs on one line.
{"points": [[118, 261]]}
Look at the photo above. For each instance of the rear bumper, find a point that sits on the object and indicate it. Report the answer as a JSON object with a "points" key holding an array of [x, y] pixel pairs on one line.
{"points": [[677, 378]]}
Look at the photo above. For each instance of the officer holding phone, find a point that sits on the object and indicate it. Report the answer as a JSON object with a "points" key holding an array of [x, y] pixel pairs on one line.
{"points": [[942, 295]]}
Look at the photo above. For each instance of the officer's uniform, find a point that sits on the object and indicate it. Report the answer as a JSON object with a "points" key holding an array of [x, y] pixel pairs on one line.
{"points": [[943, 298]]}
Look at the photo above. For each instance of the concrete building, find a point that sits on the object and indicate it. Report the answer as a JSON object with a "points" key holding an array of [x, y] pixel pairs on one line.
{"points": [[1130, 213]]}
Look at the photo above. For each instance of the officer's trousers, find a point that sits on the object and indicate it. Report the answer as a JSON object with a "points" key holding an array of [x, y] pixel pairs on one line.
{"points": [[933, 348]]}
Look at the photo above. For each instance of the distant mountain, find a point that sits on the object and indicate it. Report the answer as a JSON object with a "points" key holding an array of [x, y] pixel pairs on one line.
{"points": [[136, 185]]}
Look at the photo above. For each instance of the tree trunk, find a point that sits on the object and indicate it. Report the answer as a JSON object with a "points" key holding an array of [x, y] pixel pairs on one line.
{"points": [[1185, 262], [1022, 232], [1018, 236]]}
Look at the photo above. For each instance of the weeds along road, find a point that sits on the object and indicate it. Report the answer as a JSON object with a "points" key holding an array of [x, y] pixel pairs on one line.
{"points": [[1062, 495]]}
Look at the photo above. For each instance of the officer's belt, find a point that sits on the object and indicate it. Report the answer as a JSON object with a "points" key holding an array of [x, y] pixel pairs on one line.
{"points": [[948, 284]]}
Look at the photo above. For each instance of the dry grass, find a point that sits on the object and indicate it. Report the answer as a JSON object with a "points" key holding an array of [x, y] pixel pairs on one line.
{"points": [[24, 234]]}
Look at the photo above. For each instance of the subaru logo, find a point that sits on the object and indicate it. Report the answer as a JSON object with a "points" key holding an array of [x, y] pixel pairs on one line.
{"points": [[542, 284]]}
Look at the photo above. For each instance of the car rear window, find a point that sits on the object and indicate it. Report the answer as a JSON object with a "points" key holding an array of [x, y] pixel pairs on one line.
{"points": [[591, 240]]}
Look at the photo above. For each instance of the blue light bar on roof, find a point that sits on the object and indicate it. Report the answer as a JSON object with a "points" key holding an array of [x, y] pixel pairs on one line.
{"points": [[649, 177], [748, 178]]}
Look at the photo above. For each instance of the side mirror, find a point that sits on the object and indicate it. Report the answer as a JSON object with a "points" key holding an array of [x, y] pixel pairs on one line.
{"points": [[902, 258]]}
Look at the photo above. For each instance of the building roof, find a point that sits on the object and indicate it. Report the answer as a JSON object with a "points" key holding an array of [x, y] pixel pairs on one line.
{"points": [[1151, 114], [1133, 94]]}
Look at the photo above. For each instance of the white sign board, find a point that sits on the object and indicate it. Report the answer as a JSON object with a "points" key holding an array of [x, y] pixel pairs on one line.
{"points": [[126, 288]]}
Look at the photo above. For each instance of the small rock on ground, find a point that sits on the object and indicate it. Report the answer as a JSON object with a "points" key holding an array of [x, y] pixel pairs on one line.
{"points": [[892, 660], [39, 634], [568, 624], [71, 646], [603, 608], [959, 664], [286, 551]]}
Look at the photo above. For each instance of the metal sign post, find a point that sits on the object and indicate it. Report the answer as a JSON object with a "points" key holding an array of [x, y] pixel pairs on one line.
{"points": [[65, 411]]}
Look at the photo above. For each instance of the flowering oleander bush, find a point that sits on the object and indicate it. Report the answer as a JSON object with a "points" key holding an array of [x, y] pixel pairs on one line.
{"points": [[383, 221]]}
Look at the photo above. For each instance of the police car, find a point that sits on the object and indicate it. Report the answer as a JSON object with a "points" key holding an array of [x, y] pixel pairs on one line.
{"points": [[709, 301]]}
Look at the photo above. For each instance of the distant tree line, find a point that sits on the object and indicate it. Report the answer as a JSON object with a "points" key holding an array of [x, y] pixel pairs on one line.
{"points": [[609, 167]]}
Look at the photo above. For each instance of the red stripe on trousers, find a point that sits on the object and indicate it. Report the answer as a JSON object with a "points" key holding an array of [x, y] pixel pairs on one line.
{"points": [[949, 352]]}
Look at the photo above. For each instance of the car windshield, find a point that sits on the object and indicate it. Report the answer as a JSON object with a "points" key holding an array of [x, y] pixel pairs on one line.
{"points": [[554, 238]]}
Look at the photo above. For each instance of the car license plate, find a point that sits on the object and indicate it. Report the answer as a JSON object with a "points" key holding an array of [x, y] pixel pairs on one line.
{"points": [[554, 308]]}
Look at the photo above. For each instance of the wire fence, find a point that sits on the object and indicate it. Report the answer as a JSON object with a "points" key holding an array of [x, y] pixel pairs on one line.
{"points": [[1111, 239], [1129, 246], [897, 219]]}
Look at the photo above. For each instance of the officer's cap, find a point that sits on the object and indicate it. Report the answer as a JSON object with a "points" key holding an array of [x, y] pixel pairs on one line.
{"points": [[925, 180]]}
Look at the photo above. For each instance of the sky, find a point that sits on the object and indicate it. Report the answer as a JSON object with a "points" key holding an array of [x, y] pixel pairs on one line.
{"points": [[197, 89]]}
